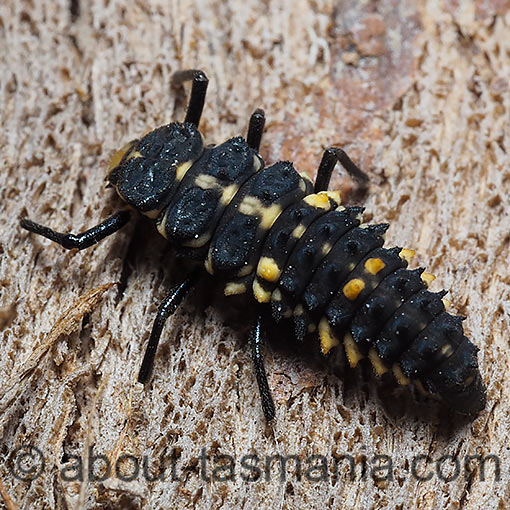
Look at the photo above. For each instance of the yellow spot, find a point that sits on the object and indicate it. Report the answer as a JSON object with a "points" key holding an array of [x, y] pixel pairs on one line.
{"points": [[373, 266], [208, 265], [352, 351], [135, 155], [407, 255], [205, 181], [299, 310], [234, 288], [198, 242], [421, 388], [428, 278], [468, 381], [335, 196], [401, 378], [276, 295], [246, 270], [326, 248], [328, 339], [446, 303], [257, 164], [182, 169], [153, 214], [353, 288], [287, 314], [298, 231], [268, 269], [250, 206], [228, 193], [261, 295], [379, 367], [446, 350], [319, 200], [118, 155], [302, 186], [269, 215], [161, 225], [306, 177]]}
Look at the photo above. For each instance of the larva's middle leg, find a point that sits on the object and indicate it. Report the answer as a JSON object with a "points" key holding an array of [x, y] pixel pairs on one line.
{"points": [[331, 156], [166, 308]]}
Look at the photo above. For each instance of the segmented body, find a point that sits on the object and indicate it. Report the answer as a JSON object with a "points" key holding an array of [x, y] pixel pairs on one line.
{"points": [[262, 230]]}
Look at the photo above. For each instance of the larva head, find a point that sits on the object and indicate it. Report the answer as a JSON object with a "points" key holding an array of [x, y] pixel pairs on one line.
{"points": [[146, 171]]}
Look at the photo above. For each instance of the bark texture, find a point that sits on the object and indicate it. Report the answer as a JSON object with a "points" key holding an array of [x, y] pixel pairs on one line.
{"points": [[417, 93]]}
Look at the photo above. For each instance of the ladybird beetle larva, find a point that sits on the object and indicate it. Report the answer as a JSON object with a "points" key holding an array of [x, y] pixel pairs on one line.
{"points": [[270, 231]]}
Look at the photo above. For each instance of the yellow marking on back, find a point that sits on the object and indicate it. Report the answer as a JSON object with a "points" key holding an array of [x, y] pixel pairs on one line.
{"points": [[335, 196], [446, 302], [269, 216], [161, 225], [198, 242], [326, 248], [302, 186], [250, 206], [276, 295], [407, 255], [446, 350], [299, 310], [118, 155], [268, 269], [351, 350], [328, 339], [182, 169], [353, 288], [319, 200], [261, 295], [298, 231], [306, 177], [234, 288], [152, 214], [205, 181], [379, 367], [401, 378], [245, 270], [257, 165], [428, 278], [134, 155], [421, 388], [374, 265], [228, 193], [208, 265]]}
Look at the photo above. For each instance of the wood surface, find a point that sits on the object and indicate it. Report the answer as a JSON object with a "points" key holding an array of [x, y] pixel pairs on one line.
{"points": [[417, 93]]}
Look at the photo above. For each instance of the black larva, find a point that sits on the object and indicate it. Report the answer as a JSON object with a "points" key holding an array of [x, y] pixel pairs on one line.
{"points": [[269, 230]]}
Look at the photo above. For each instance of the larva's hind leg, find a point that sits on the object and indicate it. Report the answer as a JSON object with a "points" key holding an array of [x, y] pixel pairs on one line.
{"points": [[166, 308], [329, 160], [255, 129], [198, 91], [257, 347]]}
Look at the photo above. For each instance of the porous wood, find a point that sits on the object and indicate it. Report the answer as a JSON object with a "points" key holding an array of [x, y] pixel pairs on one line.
{"points": [[417, 92]]}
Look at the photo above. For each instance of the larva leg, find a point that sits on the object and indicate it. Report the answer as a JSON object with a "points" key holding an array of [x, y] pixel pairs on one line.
{"points": [[329, 160], [85, 239], [166, 308], [198, 91], [255, 129], [257, 346]]}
